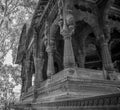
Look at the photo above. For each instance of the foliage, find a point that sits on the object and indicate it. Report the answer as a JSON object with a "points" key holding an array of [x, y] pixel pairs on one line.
{"points": [[9, 78], [13, 14]]}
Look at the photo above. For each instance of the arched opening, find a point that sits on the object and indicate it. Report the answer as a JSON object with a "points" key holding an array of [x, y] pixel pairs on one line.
{"points": [[92, 59], [82, 29]]}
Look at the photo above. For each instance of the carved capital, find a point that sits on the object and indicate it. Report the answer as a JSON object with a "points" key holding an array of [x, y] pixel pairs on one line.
{"points": [[49, 49], [66, 30], [66, 21]]}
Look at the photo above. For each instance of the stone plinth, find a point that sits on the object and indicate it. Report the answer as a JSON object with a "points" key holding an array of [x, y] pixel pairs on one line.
{"points": [[71, 84]]}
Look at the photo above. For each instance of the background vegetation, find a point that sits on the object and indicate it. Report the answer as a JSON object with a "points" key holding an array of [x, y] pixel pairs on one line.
{"points": [[13, 14]]}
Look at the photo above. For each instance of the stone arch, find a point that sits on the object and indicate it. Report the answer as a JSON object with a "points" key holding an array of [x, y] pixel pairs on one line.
{"points": [[78, 40]]}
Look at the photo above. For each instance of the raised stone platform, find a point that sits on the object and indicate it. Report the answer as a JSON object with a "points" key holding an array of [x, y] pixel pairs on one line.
{"points": [[72, 84]]}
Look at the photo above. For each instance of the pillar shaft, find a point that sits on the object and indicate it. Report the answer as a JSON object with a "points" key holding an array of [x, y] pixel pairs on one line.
{"points": [[68, 59], [38, 61], [28, 76], [50, 65], [81, 59], [106, 57], [50, 47], [66, 24], [81, 50], [23, 76]]}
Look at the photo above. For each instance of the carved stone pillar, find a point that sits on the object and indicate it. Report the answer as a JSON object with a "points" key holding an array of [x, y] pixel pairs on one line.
{"points": [[49, 42], [106, 57], [38, 61], [66, 30], [50, 65], [81, 58], [69, 60], [28, 76], [81, 50], [23, 77]]}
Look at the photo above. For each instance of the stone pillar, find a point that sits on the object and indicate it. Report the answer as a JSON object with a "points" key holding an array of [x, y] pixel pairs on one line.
{"points": [[23, 77], [50, 65], [81, 50], [81, 58], [106, 57], [66, 24], [38, 61], [49, 43], [28, 76], [68, 60]]}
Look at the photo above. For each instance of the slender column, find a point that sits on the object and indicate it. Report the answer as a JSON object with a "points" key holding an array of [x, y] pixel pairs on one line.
{"points": [[50, 65], [81, 50], [23, 76], [69, 60], [81, 58], [49, 42], [28, 76], [106, 58], [38, 61], [66, 30]]}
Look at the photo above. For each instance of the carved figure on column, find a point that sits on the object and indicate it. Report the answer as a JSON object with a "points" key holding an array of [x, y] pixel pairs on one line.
{"points": [[67, 25]]}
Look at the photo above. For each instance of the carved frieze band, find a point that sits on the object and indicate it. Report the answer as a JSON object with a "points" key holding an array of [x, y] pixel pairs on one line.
{"points": [[100, 101]]}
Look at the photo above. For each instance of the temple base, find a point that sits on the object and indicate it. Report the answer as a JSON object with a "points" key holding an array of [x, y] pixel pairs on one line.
{"points": [[74, 88]]}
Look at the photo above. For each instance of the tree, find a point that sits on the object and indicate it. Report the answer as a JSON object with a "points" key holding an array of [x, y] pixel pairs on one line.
{"points": [[13, 14]]}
